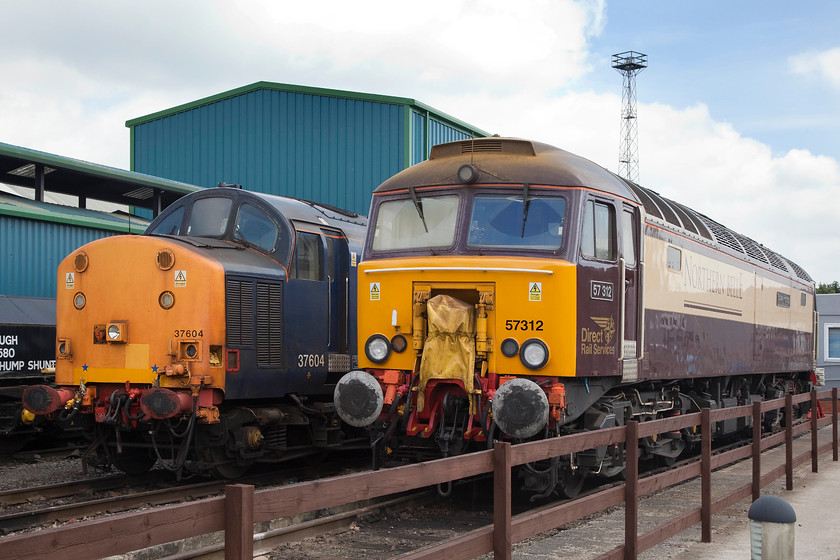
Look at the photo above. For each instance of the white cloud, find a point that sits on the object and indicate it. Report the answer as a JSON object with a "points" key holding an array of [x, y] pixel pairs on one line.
{"points": [[787, 202], [504, 67], [824, 65]]}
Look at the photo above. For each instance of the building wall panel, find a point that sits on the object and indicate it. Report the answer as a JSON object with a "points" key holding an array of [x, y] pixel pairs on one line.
{"points": [[315, 147], [33, 249]]}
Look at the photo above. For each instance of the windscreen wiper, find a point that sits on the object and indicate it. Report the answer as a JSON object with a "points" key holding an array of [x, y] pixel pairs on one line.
{"points": [[418, 206], [525, 202]]}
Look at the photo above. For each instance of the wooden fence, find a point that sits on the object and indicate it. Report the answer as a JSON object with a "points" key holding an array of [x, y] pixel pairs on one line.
{"points": [[241, 507]]}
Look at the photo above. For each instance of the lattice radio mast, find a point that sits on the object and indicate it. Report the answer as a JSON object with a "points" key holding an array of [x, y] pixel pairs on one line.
{"points": [[629, 64]]}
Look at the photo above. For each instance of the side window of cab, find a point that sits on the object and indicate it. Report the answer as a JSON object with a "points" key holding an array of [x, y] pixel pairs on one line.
{"points": [[308, 258], [598, 231]]}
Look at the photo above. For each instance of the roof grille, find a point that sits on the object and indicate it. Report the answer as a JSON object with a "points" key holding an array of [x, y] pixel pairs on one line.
{"points": [[752, 248], [799, 271], [473, 147], [775, 259], [28, 170], [650, 206], [667, 212], [687, 222], [722, 234], [143, 193], [698, 223]]}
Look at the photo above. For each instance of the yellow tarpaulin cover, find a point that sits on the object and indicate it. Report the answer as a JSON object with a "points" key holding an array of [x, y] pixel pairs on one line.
{"points": [[449, 350]]}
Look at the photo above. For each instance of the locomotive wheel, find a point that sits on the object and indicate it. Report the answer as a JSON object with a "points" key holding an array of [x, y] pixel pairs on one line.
{"points": [[569, 484], [224, 466], [133, 461], [666, 461]]}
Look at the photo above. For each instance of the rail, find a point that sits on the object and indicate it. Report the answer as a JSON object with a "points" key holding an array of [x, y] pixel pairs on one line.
{"points": [[242, 506]]}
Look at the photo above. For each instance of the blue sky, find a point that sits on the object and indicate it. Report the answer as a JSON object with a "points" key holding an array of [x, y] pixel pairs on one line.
{"points": [[737, 110], [733, 57]]}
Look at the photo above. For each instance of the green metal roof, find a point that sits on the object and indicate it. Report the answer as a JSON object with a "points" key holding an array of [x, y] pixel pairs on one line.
{"points": [[88, 180], [443, 117], [120, 222]]}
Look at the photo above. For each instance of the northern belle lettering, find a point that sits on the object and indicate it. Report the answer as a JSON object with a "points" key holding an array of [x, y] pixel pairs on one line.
{"points": [[712, 281]]}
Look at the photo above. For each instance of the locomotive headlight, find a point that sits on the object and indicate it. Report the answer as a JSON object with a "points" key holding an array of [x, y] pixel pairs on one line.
{"points": [[79, 300], [166, 299], [467, 173], [377, 348], [117, 332], [399, 343], [64, 348], [510, 347], [534, 353]]}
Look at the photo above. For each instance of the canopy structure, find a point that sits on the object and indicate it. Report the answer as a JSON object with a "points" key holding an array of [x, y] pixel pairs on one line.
{"points": [[51, 173]]}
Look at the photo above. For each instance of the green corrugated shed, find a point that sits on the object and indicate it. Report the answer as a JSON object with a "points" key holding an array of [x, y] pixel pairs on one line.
{"points": [[317, 144], [36, 235]]}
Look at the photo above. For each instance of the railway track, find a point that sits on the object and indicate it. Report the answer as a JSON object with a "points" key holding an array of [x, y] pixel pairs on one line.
{"points": [[32, 507]]}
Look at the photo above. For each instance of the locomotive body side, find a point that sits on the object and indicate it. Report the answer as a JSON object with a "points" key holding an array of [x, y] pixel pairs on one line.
{"points": [[710, 312], [511, 290], [212, 342]]}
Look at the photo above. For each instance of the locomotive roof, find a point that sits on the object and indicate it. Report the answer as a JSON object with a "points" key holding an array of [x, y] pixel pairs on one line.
{"points": [[499, 161], [294, 209]]}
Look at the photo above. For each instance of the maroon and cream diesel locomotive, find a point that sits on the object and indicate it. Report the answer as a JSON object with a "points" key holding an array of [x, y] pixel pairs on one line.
{"points": [[512, 290]]}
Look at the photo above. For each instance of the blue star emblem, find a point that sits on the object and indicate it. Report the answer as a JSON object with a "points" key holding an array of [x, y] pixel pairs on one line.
{"points": [[84, 367], [154, 368]]}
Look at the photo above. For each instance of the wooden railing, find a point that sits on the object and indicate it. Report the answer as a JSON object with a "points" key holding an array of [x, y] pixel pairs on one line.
{"points": [[242, 506]]}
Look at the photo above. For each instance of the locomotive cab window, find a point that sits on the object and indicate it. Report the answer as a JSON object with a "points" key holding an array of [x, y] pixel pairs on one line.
{"points": [[209, 217], [598, 235], [511, 221], [170, 224], [416, 223], [254, 227], [628, 238], [307, 260]]}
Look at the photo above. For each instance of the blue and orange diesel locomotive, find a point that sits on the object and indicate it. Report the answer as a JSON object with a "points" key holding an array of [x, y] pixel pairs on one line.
{"points": [[510, 289], [213, 341]]}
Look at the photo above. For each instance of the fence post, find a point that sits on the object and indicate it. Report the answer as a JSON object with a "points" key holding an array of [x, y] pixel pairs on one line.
{"points": [[239, 522], [706, 475], [502, 546], [815, 440], [756, 451], [789, 442], [834, 449], [631, 490]]}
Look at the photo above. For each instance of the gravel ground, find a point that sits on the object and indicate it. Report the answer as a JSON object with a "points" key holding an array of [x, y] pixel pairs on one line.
{"points": [[35, 470]]}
